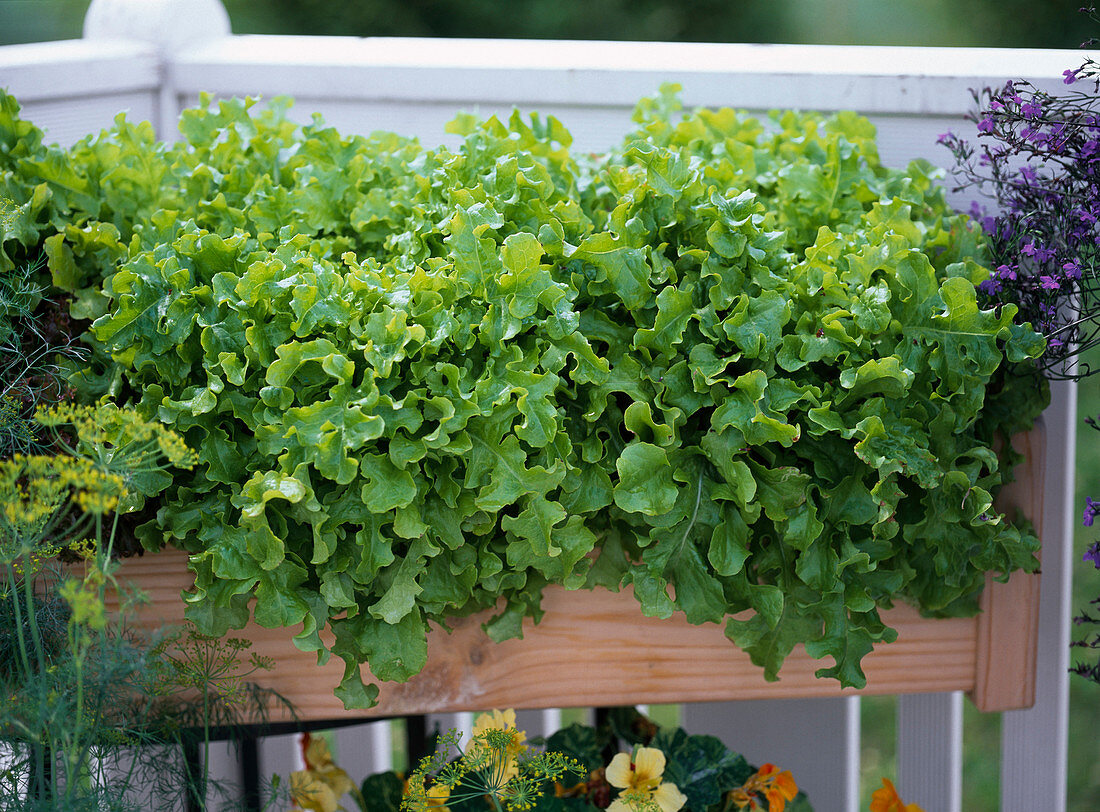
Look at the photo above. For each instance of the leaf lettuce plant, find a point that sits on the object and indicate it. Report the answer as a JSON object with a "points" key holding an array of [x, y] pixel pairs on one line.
{"points": [[735, 365]]}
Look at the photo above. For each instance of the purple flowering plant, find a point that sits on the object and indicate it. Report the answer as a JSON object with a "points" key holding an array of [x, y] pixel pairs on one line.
{"points": [[1037, 160], [1089, 619]]}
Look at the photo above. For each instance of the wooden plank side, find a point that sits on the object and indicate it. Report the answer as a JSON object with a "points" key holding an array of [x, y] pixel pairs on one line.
{"points": [[1008, 626], [579, 654]]}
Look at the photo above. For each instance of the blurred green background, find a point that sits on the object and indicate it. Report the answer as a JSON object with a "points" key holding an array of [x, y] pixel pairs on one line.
{"points": [[988, 23], [1002, 23]]}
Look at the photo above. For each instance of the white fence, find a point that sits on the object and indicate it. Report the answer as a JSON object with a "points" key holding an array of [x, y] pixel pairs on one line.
{"points": [[415, 86]]}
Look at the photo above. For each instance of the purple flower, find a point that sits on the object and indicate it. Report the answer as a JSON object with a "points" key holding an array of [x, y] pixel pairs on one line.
{"points": [[1044, 254], [1006, 272], [990, 287], [1031, 109], [1071, 76], [1093, 554], [1091, 510], [985, 125], [1049, 283], [945, 137], [1072, 269]]}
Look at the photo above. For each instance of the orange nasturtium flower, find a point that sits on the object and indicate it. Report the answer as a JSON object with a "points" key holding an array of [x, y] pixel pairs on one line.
{"points": [[639, 778], [886, 799], [776, 787]]}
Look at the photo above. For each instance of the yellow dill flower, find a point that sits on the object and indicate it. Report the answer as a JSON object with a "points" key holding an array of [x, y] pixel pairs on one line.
{"points": [[84, 548], [496, 765], [85, 600], [119, 438], [30, 492]]}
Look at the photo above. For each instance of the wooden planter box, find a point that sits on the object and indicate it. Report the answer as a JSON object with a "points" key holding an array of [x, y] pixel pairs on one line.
{"points": [[595, 648]]}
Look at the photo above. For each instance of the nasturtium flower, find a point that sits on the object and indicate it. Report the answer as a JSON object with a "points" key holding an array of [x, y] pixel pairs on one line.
{"points": [[639, 778], [423, 798], [776, 786], [886, 799], [321, 784], [498, 720], [496, 738], [436, 797], [308, 791]]}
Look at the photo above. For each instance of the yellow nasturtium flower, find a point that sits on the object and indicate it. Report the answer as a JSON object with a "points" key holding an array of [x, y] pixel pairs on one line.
{"points": [[423, 798], [500, 720], [639, 778], [308, 791], [321, 784], [502, 760], [437, 795]]}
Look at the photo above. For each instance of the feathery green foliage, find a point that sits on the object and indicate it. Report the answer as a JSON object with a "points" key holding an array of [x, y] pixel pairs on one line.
{"points": [[91, 709]]}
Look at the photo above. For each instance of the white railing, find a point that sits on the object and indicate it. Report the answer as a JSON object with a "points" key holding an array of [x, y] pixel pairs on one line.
{"points": [[173, 50]]}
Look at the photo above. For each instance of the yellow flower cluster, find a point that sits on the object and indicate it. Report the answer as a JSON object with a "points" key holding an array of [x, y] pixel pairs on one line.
{"points": [[33, 487], [496, 765], [84, 549], [112, 445], [85, 599], [32, 561], [110, 432]]}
